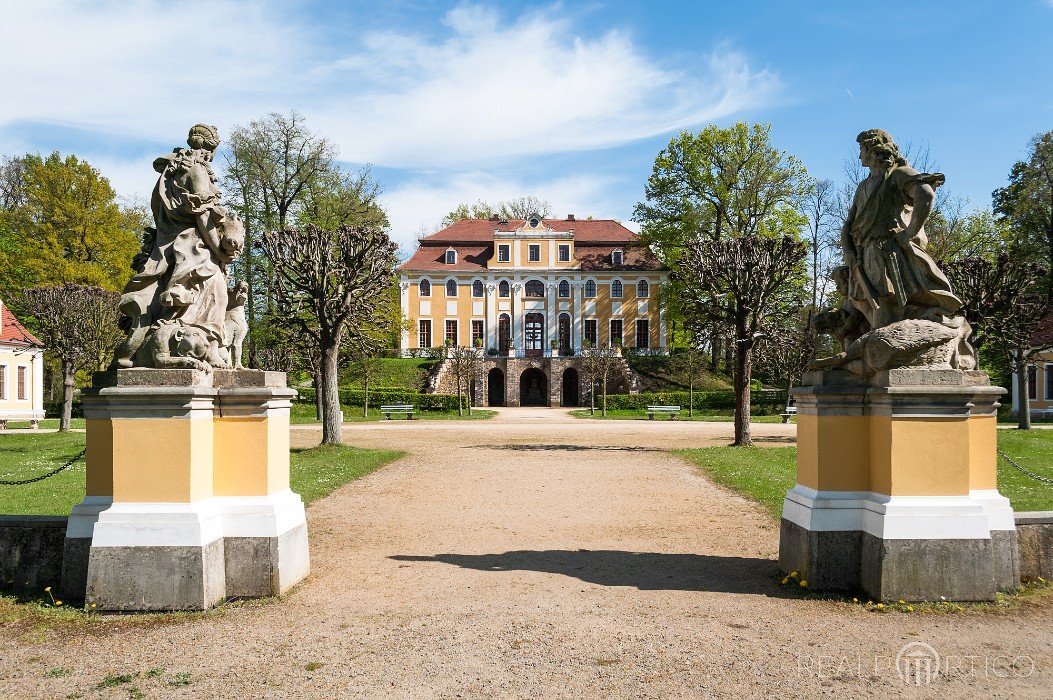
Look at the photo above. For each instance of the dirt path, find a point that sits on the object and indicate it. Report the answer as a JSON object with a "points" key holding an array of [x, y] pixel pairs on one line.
{"points": [[536, 555]]}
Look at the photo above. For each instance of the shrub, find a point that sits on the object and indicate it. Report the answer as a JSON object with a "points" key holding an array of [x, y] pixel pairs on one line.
{"points": [[762, 402]]}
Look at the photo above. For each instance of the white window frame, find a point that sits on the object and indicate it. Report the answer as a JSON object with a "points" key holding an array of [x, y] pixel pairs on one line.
{"points": [[456, 331], [1032, 395], [504, 252], [610, 332], [595, 289], [420, 288], [562, 248], [507, 288], [22, 383], [647, 286], [584, 333], [636, 334], [431, 334], [559, 289], [482, 289], [1047, 368], [617, 257], [446, 289], [3, 382], [450, 253], [532, 249], [621, 289]]}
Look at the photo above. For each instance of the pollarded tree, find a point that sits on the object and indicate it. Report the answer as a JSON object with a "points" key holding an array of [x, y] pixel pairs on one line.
{"points": [[326, 282], [78, 324], [466, 365], [598, 362]]}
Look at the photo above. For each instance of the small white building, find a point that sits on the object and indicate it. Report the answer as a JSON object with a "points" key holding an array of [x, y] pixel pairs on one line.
{"points": [[21, 372]]}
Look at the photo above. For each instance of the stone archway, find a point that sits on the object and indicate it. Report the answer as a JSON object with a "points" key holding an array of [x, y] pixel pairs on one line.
{"points": [[571, 381], [533, 388], [495, 387]]}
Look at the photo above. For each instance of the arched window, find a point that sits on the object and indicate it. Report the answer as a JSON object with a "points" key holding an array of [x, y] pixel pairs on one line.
{"points": [[502, 289], [477, 288], [535, 288], [643, 290], [616, 289], [590, 289], [425, 288], [504, 332], [451, 288], [564, 289]]}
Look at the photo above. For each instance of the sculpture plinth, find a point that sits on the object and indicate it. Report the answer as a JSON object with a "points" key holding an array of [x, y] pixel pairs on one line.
{"points": [[897, 487], [188, 499]]}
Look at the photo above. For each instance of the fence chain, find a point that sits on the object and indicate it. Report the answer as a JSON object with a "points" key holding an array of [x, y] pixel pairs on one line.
{"points": [[73, 460], [1024, 470]]}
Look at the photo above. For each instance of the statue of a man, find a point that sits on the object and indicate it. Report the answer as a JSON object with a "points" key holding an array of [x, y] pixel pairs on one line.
{"points": [[884, 238], [181, 274]]}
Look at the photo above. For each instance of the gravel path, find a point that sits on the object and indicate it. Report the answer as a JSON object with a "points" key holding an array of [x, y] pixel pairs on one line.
{"points": [[537, 555]]}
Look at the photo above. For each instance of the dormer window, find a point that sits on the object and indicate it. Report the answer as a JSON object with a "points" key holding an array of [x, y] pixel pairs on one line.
{"points": [[451, 257], [616, 258], [534, 221]]}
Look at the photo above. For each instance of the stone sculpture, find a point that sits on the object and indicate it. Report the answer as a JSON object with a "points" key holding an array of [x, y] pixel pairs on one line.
{"points": [[236, 325], [899, 309], [180, 282]]}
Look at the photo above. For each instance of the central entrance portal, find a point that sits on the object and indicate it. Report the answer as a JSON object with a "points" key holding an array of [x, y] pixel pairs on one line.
{"points": [[533, 388], [534, 335]]}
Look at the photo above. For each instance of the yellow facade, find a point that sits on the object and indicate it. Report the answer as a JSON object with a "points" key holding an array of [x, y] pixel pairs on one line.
{"points": [[21, 383]]}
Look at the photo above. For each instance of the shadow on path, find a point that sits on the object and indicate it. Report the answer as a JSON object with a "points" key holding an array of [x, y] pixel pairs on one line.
{"points": [[562, 448], [647, 571]]}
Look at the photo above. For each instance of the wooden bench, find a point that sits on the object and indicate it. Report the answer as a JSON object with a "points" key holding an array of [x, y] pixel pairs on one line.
{"points": [[789, 413], [672, 411], [398, 410]]}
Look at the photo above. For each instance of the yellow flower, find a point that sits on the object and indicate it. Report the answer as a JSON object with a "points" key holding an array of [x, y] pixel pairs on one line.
{"points": [[910, 608], [855, 600], [58, 602], [794, 574], [93, 605], [804, 584], [785, 580], [880, 606], [902, 602], [48, 589]]}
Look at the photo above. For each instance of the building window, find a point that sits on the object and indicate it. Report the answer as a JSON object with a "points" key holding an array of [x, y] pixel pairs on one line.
{"points": [[591, 338], [23, 387], [643, 290], [534, 252], [477, 289], [451, 332], [451, 288], [564, 252], [424, 334], [3, 381], [1049, 382], [564, 289], [616, 331], [504, 332], [477, 332], [616, 258], [1032, 383], [502, 289], [534, 288], [616, 289], [590, 289], [425, 288], [643, 339], [502, 253], [451, 257]]}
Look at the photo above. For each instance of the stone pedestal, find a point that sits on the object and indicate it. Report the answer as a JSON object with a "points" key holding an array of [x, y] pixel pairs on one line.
{"points": [[188, 499], [897, 487]]}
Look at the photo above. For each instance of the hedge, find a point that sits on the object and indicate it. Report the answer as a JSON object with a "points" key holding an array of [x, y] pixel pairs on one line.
{"points": [[762, 402], [391, 395]]}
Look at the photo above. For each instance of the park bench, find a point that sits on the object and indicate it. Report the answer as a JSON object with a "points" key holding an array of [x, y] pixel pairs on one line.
{"points": [[672, 411], [398, 410], [789, 413]]}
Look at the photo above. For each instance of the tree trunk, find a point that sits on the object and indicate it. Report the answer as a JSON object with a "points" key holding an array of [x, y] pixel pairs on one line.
{"points": [[68, 381], [316, 379], [592, 396], [365, 389], [331, 425], [691, 399], [460, 403], [729, 356], [1023, 412], [743, 370], [471, 381], [714, 352], [603, 410]]}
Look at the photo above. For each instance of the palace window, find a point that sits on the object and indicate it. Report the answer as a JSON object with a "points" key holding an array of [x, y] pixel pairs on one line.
{"points": [[1048, 369], [1032, 383], [564, 252], [451, 332], [643, 339], [643, 290], [502, 289], [504, 332], [424, 334], [616, 289], [451, 288], [616, 331], [502, 253], [23, 386], [564, 289], [590, 289], [477, 332], [534, 252], [616, 258], [535, 288], [451, 257], [425, 288], [591, 338], [477, 289], [3, 381]]}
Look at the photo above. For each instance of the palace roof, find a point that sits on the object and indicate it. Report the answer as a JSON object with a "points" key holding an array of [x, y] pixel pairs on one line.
{"points": [[12, 332], [473, 239]]}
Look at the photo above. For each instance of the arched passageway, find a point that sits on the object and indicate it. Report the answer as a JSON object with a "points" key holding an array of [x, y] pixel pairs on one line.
{"points": [[570, 387], [533, 388], [495, 387]]}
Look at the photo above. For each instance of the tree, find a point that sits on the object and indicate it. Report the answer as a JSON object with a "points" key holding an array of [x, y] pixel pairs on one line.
{"points": [[327, 281], [598, 361], [1026, 203], [739, 281], [61, 224], [518, 208], [823, 238], [689, 362], [466, 364], [79, 325]]}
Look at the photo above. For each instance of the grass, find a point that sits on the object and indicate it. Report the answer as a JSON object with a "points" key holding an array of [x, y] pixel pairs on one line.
{"points": [[47, 423], [405, 372], [705, 415], [660, 373], [314, 473], [303, 414], [766, 474]]}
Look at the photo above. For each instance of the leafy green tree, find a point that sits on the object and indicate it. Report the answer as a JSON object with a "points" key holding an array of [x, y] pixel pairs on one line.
{"points": [[1026, 203], [63, 225]]}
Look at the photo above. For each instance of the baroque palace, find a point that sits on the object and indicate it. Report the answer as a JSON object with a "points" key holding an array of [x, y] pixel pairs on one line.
{"points": [[531, 294]]}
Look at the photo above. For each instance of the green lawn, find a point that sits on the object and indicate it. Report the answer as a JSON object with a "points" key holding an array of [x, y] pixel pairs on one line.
{"points": [[303, 413], [766, 474], [315, 472], [707, 415], [51, 423]]}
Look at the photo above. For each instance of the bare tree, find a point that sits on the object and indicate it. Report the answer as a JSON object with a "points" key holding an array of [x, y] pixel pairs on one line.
{"points": [[690, 362], [466, 364], [326, 281], [598, 362], [79, 325], [741, 282], [823, 234]]}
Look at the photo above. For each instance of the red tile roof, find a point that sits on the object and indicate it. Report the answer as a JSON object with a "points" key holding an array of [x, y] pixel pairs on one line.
{"points": [[12, 332], [432, 257]]}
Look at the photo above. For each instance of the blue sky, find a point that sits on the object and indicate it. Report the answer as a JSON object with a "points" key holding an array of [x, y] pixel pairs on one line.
{"points": [[571, 102]]}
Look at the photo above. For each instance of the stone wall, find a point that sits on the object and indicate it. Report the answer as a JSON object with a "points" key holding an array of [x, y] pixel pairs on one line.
{"points": [[1035, 542], [31, 552]]}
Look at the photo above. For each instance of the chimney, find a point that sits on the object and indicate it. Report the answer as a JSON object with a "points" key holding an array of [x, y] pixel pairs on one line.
{"points": [[503, 222], [495, 217], [570, 217]]}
